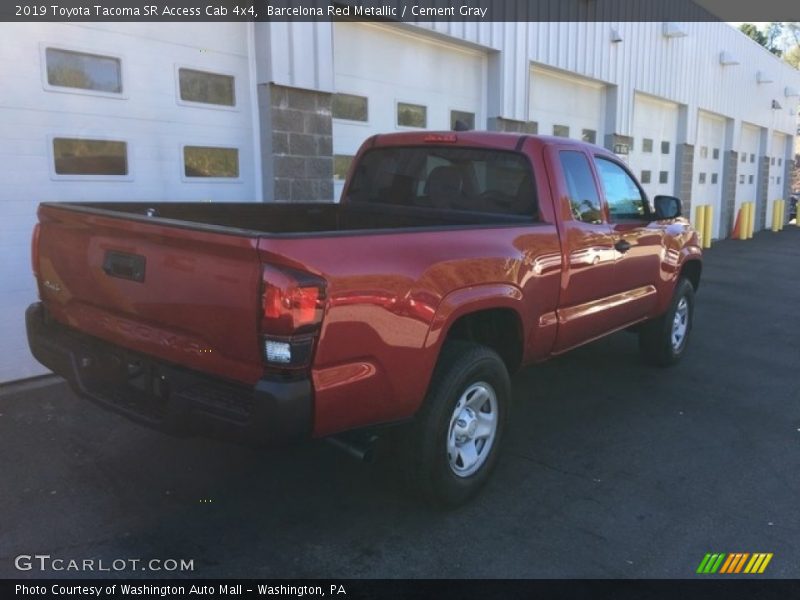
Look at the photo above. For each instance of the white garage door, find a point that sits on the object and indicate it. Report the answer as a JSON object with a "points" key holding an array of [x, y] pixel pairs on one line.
{"points": [[567, 106], [747, 170], [776, 173], [107, 114], [708, 150], [389, 80], [652, 158]]}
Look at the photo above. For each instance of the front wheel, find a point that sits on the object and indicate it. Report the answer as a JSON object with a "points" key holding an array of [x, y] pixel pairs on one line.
{"points": [[663, 341], [454, 443]]}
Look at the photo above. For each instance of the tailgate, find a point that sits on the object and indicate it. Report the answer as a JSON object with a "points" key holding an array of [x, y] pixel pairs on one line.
{"points": [[186, 295]]}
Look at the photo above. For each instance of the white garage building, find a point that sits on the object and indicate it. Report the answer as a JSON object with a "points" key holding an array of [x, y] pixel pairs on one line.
{"points": [[274, 111]]}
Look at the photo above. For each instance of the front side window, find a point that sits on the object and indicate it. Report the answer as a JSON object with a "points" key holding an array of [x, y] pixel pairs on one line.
{"points": [[583, 197], [467, 179], [73, 156], [206, 88], [624, 198], [205, 161], [83, 71]]}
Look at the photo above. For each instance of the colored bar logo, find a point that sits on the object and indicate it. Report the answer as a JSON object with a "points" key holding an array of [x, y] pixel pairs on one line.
{"points": [[737, 562]]}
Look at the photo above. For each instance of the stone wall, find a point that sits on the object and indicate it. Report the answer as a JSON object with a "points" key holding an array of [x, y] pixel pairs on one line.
{"points": [[684, 172], [762, 191], [730, 168], [298, 156], [511, 126]]}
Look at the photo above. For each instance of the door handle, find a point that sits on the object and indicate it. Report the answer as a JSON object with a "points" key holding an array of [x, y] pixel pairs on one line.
{"points": [[622, 246]]}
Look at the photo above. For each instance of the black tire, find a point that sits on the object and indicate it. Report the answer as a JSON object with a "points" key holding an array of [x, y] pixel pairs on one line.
{"points": [[655, 337], [461, 366]]}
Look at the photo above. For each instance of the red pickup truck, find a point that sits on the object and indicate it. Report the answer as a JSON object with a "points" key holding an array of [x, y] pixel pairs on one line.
{"points": [[452, 260]]}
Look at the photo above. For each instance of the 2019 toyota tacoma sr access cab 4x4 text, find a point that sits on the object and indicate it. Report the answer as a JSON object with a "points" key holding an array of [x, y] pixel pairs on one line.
{"points": [[452, 260]]}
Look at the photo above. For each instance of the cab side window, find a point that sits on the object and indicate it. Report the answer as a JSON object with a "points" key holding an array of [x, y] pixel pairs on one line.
{"points": [[624, 198], [583, 197]]}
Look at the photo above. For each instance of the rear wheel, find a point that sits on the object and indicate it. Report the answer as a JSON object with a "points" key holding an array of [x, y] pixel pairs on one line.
{"points": [[454, 443], [663, 341]]}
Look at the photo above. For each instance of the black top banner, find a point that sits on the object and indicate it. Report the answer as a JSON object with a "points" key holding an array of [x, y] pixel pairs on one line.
{"points": [[398, 10]]}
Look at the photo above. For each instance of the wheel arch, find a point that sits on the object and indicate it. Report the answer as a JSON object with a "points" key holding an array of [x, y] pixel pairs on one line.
{"points": [[490, 315]]}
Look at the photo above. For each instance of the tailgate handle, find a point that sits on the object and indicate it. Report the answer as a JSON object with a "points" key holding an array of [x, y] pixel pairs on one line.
{"points": [[124, 266]]}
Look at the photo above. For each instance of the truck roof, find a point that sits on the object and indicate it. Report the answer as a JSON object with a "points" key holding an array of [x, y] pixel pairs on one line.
{"points": [[488, 139]]}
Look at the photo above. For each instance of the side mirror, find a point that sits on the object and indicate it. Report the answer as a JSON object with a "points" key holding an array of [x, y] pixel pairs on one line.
{"points": [[667, 207]]}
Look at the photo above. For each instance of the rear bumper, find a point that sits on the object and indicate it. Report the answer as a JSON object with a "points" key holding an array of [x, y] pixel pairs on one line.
{"points": [[170, 398]]}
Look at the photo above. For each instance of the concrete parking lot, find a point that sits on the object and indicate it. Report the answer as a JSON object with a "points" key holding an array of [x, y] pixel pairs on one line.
{"points": [[612, 468]]}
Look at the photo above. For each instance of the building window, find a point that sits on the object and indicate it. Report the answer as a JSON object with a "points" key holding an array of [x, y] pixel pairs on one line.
{"points": [[647, 145], [206, 161], [645, 177], [778, 181], [772, 161], [206, 88], [702, 178], [561, 131], [715, 154], [83, 71], [341, 165], [750, 179], [663, 177], [780, 162], [714, 178], [703, 151], [741, 178], [467, 118], [90, 157], [532, 127], [744, 156], [664, 147], [589, 135], [752, 158], [412, 115], [350, 107]]}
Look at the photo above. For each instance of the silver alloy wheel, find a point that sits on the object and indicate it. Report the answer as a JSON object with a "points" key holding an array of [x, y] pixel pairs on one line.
{"points": [[680, 324], [473, 428]]}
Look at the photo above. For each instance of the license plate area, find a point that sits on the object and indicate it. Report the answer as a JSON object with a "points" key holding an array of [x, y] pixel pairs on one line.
{"points": [[130, 382]]}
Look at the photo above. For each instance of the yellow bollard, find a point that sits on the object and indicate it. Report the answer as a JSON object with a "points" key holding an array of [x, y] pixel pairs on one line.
{"points": [[781, 215], [751, 214], [739, 221], [774, 226], [708, 221], [700, 223], [743, 227]]}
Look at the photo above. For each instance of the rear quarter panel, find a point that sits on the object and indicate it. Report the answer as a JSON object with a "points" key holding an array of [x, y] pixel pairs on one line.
{"points": [[392, 297]]}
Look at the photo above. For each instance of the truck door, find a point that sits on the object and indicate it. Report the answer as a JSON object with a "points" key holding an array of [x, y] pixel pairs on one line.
{"points": [[587, 282], [637, 239]]}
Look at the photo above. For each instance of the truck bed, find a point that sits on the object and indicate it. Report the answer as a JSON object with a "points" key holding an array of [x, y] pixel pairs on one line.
{"points": [[290, 220]]}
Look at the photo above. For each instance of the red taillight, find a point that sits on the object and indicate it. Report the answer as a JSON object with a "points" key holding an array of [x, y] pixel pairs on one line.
{"points": [[292, 301], [35, 250], [292, 305]]}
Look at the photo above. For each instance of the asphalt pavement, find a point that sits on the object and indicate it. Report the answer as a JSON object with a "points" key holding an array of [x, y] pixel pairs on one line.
{"points": [[611, 469]]}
